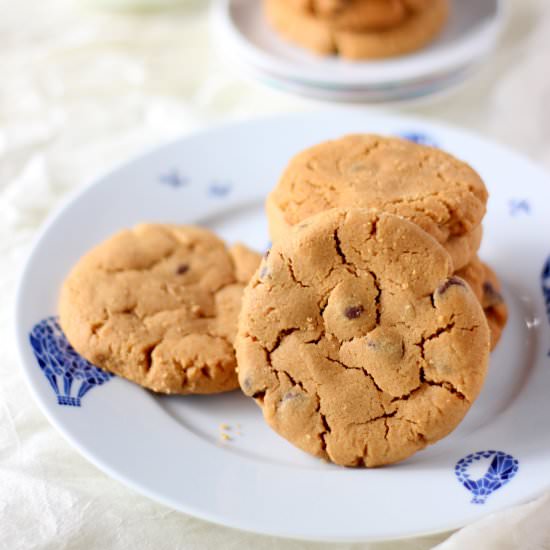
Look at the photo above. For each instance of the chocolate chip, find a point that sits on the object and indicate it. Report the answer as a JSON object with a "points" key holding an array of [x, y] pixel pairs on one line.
{"points": [[182, 268], [491, 296], [354, 312], [450, 282]]}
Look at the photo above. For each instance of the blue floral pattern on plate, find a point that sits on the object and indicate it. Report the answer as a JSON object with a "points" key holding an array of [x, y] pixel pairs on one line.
{"points": [[69, 374], [419, 137], [545, 282], [219, 188], [502, 469], [519, 206], [173, 179]]}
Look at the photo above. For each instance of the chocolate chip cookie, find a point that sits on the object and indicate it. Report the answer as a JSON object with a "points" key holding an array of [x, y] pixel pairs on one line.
{"points": [[158, 305], [357, 341]]}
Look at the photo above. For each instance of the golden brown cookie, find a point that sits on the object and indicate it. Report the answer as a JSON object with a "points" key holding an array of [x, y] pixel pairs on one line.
{"points": [[356, 340], [158, 305], [441, 194], [486, 286], [323, 37]]}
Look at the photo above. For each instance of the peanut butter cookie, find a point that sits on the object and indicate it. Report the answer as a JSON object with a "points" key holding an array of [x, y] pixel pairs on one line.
{"points": [[158, 305], [356, 340], [342, 35]]}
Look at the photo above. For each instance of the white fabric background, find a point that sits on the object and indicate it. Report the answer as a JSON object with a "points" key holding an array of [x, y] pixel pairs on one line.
{"points": [[80, 90]]}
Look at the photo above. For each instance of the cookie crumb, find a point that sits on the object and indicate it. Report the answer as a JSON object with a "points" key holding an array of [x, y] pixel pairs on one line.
{"points": [[225, 426], [225, 437]]}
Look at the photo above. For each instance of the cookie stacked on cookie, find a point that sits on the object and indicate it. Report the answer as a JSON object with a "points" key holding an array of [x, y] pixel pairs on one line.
{"points": [[425, 185], [364, 336], [358, 29]]}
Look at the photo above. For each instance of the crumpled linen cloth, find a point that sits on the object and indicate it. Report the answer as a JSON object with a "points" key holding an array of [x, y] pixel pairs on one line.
{"points": [[81, 89]]}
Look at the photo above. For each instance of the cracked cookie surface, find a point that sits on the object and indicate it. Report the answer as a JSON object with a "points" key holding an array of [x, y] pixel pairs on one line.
{"points": [[356, 340], [158, 305], [438, 192]]}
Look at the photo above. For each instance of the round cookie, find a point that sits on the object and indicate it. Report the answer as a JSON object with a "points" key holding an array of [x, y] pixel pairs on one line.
{"points": [[158, 305], [356, 340], [322, 36], [438, 192]]}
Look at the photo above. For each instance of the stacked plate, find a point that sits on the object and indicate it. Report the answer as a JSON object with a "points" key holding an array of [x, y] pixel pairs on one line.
{"points": [[244, 37]]}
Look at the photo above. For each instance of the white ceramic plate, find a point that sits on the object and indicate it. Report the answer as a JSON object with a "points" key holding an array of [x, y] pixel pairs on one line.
{"points": [[170, 448], [240, 29]]}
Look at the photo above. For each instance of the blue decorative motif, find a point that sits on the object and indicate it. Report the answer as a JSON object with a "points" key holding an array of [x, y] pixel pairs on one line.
{"points": [[519, 206], [545, 282], [420, 138], [502, 469], [173, 179], [61, 364], [219, 188]]}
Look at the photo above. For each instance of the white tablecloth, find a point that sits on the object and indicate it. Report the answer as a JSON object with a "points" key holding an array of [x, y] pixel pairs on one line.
{"points": [[81, 90]]}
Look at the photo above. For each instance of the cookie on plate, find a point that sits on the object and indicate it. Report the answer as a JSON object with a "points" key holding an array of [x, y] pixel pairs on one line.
{"points": [[322, 36], [438, 192], [158, 305], [357, 341]]}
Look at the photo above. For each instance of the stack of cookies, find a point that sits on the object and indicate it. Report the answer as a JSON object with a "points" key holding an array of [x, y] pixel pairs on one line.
{"points": [[425, 185], [358, 29], [363, 334]]}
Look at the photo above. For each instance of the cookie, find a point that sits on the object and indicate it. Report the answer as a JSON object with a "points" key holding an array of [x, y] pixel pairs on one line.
{"points": [[354, 14], [356, 340], [158, 305], [438, 192], [486, 286], [322, 37]]}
